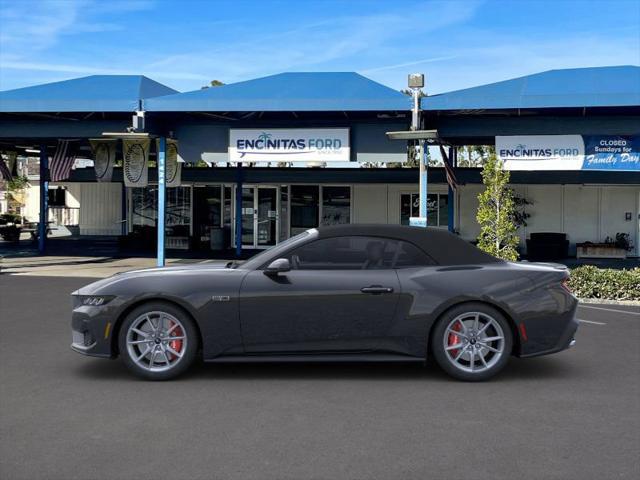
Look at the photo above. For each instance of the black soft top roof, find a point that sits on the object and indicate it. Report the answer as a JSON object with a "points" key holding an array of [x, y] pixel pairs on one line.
{"points": [[444, 247]]}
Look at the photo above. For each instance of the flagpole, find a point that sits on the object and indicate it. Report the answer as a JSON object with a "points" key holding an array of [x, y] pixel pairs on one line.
{"points": [[44, 199]]}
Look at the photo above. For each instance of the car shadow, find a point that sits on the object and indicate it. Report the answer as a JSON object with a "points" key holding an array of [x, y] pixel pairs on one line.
{"points": [[518, 370]]}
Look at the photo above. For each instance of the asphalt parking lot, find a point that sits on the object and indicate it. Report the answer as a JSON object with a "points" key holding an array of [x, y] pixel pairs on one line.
{"points": [[63, 416]]}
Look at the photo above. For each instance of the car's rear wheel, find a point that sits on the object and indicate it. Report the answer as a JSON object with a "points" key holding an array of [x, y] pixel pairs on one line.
{"points": [[472, 342], [158, 341]]}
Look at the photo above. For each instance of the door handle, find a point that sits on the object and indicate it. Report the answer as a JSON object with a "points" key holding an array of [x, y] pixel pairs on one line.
{"points": [[376, 289]]}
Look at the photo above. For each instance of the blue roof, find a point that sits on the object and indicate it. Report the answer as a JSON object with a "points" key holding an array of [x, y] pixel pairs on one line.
{"points": [[96, 93], [577, 87], [298, 92]]}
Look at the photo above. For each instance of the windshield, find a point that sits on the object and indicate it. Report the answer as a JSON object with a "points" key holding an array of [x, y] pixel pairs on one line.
{"points": [[274, 252]]}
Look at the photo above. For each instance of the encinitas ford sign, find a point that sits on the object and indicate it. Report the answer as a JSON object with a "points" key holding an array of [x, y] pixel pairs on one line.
{"points": [[569, 152], [541, 152], [289, 145]]}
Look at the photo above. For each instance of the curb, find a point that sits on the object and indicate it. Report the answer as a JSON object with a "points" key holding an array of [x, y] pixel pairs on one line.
{"points": [[603, 301]]}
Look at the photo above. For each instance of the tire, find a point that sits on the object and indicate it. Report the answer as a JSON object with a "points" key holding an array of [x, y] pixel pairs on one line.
{"points": [[488, 342], [158, 341]]}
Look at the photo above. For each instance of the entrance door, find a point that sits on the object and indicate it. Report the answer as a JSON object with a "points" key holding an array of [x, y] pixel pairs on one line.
{"points": [[267, 207], [259, 216]]}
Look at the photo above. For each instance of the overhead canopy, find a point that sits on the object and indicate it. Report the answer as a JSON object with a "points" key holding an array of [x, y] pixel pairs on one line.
{"points": [[288, 92], [96, 93], [569, 88]]}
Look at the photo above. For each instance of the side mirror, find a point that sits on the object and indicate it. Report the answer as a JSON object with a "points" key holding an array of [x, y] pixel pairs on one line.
{"points": [[279, 265]]}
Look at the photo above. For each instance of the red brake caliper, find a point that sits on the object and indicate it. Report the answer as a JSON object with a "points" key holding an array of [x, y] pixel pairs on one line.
{"points": [[175, 344], [454, 339]]}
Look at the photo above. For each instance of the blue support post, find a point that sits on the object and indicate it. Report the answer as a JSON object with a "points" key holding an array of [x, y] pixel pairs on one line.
{"points": [[450, 199], [44, 199], [423, 180], [239, 209], [161, 199]]}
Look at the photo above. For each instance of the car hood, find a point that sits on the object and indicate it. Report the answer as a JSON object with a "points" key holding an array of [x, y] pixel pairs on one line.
{"points": [[178, 270]]}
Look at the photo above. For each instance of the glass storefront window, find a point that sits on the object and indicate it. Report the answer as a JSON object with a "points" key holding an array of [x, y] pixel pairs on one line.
{"points": [[144, 214], [304, 207], [437, 208], [336, 205], [284, 213], [432, 209], [443, 211], [228, 199], [409, 207], [144, 207], [207, 213]]}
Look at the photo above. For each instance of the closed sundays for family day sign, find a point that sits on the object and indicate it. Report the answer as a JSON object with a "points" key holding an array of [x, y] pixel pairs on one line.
{"points": [[569, 152], [289, 145]]}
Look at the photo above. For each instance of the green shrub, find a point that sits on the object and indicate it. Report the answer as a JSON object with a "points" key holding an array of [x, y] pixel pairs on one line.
{"points": [[588, 281]]}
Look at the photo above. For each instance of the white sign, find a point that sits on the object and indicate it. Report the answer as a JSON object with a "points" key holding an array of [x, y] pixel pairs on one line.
{"points": [[541, 152], [104, 158], [136, 162], [418, 221], [289, 145]]}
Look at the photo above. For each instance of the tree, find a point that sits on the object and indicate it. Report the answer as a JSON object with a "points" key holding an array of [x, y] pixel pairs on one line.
{"points": [[474, 155], [496, 212], [213, 83]]}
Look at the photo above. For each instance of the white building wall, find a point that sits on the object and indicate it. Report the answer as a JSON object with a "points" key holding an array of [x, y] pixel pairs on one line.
{"points": [[100, 208], [615, 203], [370, 204], [466, 213], [583, 212]]}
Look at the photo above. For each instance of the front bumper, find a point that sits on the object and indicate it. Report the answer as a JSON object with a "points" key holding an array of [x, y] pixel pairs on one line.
{"points": [[91, 331]]}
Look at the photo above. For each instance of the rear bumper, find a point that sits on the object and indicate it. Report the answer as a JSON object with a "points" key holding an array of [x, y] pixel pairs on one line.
{"points": [[567, 340], [550, 334]]}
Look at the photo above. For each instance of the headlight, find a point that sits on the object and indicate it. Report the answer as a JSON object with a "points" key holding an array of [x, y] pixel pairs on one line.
{"points": [[94, 300]]}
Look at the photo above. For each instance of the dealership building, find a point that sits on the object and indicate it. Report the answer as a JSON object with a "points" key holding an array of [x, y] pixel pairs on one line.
{"points": [[250, 164]]}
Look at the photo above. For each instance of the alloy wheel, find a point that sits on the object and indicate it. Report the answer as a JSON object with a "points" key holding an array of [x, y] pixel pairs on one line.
{"points": [[156, 341], [474, 342]]}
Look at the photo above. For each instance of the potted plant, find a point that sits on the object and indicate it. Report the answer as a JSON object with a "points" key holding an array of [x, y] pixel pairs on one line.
{"points": [[611, 247]]}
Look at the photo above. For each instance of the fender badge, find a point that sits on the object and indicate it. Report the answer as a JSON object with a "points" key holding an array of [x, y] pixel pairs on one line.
{"points": [[220, 298]]}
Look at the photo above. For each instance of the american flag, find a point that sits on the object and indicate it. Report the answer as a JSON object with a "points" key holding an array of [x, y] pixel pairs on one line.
{"points": [[62, 161], [5, 173], [451, 175]]}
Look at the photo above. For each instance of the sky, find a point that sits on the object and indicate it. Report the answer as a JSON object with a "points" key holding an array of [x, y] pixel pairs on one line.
{"points": [[185, 44]]}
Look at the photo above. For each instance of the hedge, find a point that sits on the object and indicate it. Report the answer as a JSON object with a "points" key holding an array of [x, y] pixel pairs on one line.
{"points": [[588, 281]]}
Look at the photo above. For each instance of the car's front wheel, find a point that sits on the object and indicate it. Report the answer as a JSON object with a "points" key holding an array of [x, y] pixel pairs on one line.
{"points": [[158, 341], [472, 342]]}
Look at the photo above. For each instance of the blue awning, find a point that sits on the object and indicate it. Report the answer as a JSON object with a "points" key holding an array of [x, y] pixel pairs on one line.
{"points": [[288, 92], [96, 93], [577, 87]]}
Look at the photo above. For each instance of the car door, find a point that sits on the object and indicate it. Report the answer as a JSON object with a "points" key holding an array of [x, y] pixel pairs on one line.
{"points": [[340, 295]]}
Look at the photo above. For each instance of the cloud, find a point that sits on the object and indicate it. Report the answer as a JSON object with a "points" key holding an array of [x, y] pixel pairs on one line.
{"points": [[409, 64], [89, 70], [30, 27]]}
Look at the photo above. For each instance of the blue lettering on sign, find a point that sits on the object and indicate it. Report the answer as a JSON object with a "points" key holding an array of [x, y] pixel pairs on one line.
{"points": [[611, 152], [264, 141]]}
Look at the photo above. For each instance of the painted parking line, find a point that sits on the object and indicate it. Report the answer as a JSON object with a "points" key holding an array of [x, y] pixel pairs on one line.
{"points": [[591, 321], [610, 310]]}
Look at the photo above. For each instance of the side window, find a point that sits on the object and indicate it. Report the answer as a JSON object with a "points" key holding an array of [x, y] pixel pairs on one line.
{"points": [[344, 253], [411, 256]]}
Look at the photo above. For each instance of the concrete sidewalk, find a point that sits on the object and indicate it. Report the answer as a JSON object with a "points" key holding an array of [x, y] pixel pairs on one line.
{"points": [[92, 267]]}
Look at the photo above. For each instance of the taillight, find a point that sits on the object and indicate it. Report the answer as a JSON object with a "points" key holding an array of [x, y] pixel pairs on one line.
{"points": [[565, 285]]}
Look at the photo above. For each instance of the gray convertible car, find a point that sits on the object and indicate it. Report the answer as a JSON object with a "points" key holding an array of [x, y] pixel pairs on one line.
{"points": [[336, 294]]}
